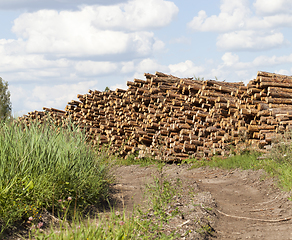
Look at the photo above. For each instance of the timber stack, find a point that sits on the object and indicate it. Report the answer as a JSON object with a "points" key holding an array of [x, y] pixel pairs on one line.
{"points": [[172, 119]]}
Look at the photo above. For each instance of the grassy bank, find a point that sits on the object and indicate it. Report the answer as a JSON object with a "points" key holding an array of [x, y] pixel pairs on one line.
{"points": [[140, 224], [49, 179], [43, 168]]}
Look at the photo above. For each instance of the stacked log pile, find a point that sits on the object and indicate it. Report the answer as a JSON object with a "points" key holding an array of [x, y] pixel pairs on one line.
{"points": [[170, 118], [272, 93]]}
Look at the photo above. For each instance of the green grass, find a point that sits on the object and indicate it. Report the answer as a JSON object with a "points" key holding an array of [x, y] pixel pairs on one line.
{"points": [[117, 225], [40, 167], [48, 171], [108, 226], [113, 225], [245, 161], [273, 164]]}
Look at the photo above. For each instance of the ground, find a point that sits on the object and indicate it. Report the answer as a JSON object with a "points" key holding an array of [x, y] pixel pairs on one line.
{"points": [[212, 203]]}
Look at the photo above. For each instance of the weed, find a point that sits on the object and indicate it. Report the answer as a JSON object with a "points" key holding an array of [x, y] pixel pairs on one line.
{"points": [[205, 229], [198, 78], [42, 164], [142, 224]]}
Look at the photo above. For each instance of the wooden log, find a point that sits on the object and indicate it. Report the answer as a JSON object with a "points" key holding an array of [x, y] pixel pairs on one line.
{"points": [[257, 128], [274, 84], [278, 100], [279, 94], [265, 76], [280, 90], [189, 147]]}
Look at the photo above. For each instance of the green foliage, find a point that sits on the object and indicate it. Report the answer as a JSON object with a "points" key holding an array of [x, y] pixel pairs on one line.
{"points": [[247, 160], [161, 194], [113, 225], [198, 78], [116, 225], [5, 104], [41, 166], [107, 89]]}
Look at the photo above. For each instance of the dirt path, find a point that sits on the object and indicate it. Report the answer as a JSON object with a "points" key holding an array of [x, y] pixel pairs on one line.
{"points": [[236, 204]]}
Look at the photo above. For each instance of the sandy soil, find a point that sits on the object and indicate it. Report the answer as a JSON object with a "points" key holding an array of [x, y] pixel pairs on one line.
{"points": [[213, 203]]}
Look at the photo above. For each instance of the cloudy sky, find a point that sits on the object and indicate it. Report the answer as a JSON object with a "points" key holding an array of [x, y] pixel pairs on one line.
{"points": [[52, 50]]}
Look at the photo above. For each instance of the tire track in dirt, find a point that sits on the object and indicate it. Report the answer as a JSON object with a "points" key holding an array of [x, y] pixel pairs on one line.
{"points": [[243, 204], [249, 208]]}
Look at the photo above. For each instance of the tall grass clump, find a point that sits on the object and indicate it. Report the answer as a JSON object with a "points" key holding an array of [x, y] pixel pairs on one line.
{"points": [[148, 222], [42, 167]]}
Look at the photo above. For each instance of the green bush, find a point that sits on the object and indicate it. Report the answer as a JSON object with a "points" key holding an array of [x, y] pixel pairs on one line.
{"points": [[5, 104], [41, 166]]}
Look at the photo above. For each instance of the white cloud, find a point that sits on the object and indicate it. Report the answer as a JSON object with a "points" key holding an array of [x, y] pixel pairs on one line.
{"points": [[91, 68], [48, 95], [71, 34], [147, 65], [186, 69], [59, 94], [270, 7], [234, 70], [272, 60], [68, 46], [230, 59], [135, 15], [182, 69], [150, 66], [238, 18], [95, 30], [241, 29], [249, 40], [12, 62], [231, 17]]}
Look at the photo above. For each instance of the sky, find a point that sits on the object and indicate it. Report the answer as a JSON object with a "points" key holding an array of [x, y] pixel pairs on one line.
{"points": [[52, 50]]}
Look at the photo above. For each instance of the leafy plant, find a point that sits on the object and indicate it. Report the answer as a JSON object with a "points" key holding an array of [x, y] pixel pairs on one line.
{"points": [[5, 104], [160, 194]]}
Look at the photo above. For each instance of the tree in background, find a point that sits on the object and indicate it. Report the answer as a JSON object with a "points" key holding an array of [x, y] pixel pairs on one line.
{"points": [[107, 89], [5, 104]]}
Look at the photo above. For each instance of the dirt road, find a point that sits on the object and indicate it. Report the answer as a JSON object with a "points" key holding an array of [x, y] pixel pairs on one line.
{"points": [[214, 203]]}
